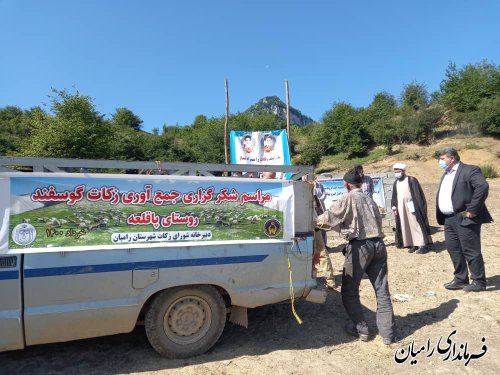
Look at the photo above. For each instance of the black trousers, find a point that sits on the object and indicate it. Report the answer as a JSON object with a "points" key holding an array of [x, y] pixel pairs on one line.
{"points": [[368, 256], [464, 246]]}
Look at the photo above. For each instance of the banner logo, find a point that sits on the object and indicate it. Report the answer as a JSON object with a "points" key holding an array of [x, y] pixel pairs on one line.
{"points": [[272, 228], [24, 234]]}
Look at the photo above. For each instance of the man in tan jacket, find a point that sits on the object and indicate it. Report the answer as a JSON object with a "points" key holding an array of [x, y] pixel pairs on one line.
{"points": [[356, 216]]}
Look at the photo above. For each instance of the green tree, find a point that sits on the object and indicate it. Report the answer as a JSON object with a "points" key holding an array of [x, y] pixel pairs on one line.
{"points": [[436, 97], [200, 121], [384, 132], [260, 122], [415, 96], [315, 146], [420, 126], [10, 113], [76, 130], [127, 143], [489, 115], [383, 105], [125, 118], [344, 131], [414, 127], [207, 143], [174, 144], [463, 89], [15, 128]]}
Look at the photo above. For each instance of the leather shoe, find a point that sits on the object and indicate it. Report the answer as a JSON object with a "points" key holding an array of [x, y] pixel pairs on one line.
{"points": [[475, 287], [455, 285], [361, 331], [421, 250], [412, 249]]}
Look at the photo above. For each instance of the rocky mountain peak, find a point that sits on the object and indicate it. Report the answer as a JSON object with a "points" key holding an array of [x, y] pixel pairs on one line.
{"points": [[275, 106]]}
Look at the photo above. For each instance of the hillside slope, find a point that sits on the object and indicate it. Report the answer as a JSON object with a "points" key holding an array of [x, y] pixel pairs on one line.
{"points": [[421, 160]]}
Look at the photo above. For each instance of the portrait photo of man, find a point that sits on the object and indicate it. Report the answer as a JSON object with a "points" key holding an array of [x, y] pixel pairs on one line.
{"points": [[248, 144], [268, 143]]}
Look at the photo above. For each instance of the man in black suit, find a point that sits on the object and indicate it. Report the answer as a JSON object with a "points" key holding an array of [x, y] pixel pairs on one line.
{"points": [[460, 207]]}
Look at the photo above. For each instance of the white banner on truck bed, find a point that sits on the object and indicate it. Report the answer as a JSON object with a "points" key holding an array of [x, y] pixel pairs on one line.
{"points": [[334, 188], [74, 212]]}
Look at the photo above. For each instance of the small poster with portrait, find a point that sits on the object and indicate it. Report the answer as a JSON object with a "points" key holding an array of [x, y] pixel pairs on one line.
{"points": [[334, 188], [261, 148]]}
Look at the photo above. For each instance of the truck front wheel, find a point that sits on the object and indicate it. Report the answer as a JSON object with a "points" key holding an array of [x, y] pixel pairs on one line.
{"points": [[185, 321]]}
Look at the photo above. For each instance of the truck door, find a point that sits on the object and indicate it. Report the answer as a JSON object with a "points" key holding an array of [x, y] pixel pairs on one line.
{"points": [[11, 308], [78, 294]]}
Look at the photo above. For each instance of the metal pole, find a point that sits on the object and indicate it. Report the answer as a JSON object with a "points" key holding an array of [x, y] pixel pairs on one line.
{"points": [[287, 112], [226, 154]]}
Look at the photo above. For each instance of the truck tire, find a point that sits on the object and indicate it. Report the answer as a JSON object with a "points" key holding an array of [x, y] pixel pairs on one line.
{"points": [[185, 321]]}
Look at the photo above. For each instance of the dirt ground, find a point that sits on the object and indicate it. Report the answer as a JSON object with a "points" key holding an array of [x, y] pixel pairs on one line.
{"points": [[275, 343]]}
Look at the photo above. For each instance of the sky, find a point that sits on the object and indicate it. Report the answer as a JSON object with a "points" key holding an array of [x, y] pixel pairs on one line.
{"points": [[167, 60]]}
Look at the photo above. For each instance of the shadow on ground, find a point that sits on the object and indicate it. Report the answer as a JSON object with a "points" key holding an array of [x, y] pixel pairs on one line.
{"points": [[493, 283], [435, 229], [437, 247]]}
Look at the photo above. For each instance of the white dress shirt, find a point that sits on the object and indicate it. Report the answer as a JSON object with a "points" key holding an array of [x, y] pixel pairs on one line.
{"points": [[444, 199]]}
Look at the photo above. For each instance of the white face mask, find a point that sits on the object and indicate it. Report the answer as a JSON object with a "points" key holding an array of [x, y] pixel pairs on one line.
{"points": [[399, 175]]}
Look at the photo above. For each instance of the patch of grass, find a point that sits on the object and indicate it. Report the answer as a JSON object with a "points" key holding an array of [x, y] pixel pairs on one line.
{"points": [[489, 171], [324, 169], [472, 146], [340, 161]]}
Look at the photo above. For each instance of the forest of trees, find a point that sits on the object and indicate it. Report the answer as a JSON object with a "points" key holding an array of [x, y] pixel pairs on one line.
{"points": [[468, 101]]}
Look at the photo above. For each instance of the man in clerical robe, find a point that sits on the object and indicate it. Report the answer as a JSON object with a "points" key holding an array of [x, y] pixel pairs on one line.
{"points": [[410, 212]]}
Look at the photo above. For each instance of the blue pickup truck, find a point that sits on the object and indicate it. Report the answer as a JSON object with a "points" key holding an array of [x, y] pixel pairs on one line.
{"points": [[179, 248]]}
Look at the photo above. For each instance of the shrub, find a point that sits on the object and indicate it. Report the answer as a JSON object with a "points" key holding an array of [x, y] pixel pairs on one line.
{"points": [[489, 171], [414, 156], [472, 146]]}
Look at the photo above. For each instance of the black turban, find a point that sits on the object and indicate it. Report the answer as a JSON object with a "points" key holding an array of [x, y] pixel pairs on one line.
{"points": [[352, 177]]}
